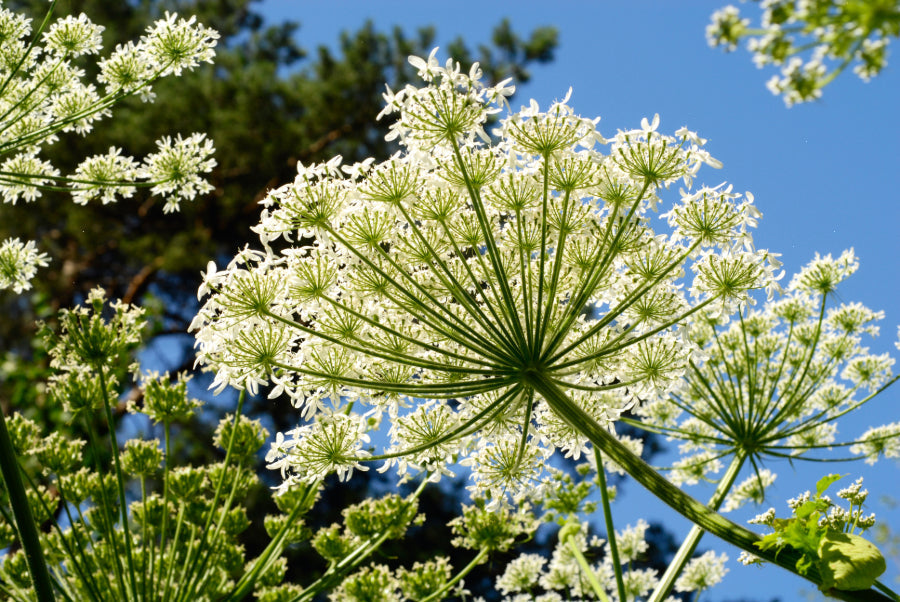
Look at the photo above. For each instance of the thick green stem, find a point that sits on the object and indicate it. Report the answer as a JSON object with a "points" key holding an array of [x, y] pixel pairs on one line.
{"points": [[28, 533], [693, 537], [679, 501]]}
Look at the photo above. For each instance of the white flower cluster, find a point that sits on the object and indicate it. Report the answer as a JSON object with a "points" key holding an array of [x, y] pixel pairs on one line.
{"points": [[879, 441], [753, 488], [533, 577], [453, 286], [18, 264], [702, 573], [775, 381], [44, 94], [834, 34]]}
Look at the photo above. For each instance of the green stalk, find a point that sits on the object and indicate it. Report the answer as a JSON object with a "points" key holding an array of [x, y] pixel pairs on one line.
{"points": [[120, 478], [28, 533], [890, 593], [679, 501], [78, 568], [145, 544], [155, 577], [610, 528], [171, 556], [493, 253], [587, 571], [456, 579], [105, 505], [693, 537], [195, 574]]}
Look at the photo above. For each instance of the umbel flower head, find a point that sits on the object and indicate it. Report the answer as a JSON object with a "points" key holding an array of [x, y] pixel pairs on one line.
{"points": [[19, 263], [812, 42], [776, 382], [458, 284], [44, 93]]}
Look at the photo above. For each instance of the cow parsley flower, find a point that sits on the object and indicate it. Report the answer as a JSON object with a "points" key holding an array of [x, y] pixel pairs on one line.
{"points": [[23, 176], [126, 70], [632, 543], [326, 446], [71, 37], [726, 28], [877, 442], [521, 574], [753, 488], [176, 168], [172, 44], [104, 176]]}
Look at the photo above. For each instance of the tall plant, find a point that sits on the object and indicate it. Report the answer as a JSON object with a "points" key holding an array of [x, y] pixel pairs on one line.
{"points": [[489, 301], [496, 299]]}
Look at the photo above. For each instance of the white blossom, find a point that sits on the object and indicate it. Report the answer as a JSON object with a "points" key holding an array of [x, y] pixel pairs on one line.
{"points": [[18, 264]]}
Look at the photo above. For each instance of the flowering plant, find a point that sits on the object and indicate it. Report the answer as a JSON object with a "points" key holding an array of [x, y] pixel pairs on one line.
{"points": [[477, 300], [833, 34], [495, 281], [496, 299]]}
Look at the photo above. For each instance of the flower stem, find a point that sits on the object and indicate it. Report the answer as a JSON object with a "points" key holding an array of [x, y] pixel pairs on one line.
{"points": [[890, 593], [202, 550], [588, 571], [465, 571], [248, 580], [28, 533], [693, 537], [120, 477], [610, 528], [679, 501]]}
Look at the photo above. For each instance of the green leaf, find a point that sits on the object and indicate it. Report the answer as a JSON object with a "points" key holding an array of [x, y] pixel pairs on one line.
{"points": [[848, 562], [806, 509], [825, 482]]}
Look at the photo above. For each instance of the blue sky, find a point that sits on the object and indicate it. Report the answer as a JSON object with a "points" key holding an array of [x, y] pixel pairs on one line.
{"points": [[823, 174]]}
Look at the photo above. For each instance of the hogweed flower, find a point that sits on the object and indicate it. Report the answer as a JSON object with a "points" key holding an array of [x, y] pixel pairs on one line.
{"points": [[44, 93], [831, 34], [18, 264], [450, 285], [772, 384], [776, 381]]}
